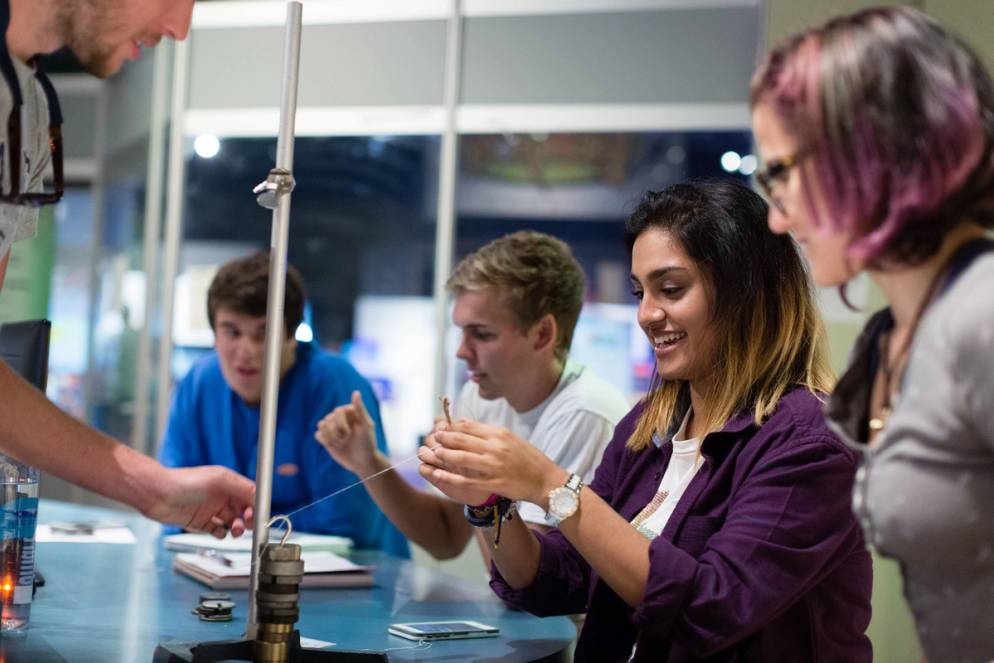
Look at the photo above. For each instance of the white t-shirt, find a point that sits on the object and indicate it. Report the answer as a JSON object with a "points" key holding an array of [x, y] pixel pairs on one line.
{"points": [[16, 221], [572, 426], [683, 465]]}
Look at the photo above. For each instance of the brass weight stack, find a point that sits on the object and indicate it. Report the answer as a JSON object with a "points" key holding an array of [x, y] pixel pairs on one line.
{"points": [[277, 604], [276, 600]]}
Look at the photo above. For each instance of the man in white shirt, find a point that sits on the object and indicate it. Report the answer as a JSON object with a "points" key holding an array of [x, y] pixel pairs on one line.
{"points": [[517, 301], [102, 34]]}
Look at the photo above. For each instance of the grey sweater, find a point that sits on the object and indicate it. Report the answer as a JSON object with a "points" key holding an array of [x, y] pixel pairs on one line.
{"points": [[925, 493]]}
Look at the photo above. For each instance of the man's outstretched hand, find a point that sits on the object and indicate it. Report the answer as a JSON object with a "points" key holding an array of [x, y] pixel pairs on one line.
{"points": [[210, 499]]}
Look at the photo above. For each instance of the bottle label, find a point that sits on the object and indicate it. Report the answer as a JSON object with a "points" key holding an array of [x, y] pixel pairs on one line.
{"points": [[20, 517]]}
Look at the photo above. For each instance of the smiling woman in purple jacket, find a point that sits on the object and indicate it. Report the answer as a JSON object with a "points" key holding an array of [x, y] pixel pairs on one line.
{"points": [[718, 524]]}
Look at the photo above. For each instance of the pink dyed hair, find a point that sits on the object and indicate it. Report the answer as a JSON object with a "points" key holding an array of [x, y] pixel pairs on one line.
{"points": [[896, 115]]}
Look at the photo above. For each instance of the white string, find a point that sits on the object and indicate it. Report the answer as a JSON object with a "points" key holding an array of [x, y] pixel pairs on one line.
{"points": [[358, 483], [318, 501]]}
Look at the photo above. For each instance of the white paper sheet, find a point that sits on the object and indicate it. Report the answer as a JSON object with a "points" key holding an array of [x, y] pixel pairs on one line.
{"points": [[239, 564], [109, 533], [188, 542]]}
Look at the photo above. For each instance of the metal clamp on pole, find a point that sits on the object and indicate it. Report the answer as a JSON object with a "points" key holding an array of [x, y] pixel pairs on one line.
{"points": [[279, 182]]}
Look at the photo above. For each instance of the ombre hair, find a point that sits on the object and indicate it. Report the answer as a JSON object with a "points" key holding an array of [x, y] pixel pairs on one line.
{"points": [[894, 117], [769, 337]]}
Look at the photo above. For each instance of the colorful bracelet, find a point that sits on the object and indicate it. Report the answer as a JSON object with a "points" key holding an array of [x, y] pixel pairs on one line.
{"points": [[490, 502], [479, 517], [491, 516]]}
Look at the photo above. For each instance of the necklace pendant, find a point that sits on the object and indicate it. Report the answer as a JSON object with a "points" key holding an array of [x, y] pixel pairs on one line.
{"points": [[876, 424]]}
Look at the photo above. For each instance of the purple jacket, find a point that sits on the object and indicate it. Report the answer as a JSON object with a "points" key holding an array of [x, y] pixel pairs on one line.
{"points": [[762, 560]]}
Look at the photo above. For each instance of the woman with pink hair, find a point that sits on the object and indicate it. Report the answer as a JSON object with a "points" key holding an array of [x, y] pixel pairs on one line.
{"points": [[877, 133]]}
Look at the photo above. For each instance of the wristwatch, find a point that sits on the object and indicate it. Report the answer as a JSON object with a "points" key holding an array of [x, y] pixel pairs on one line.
{"points": [[564, 501]]}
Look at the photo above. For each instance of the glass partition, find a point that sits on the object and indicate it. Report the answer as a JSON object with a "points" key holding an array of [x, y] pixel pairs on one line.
{"points": [[362, 235]]}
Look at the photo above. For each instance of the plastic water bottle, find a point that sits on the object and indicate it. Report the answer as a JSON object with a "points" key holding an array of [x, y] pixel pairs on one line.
{"points": [[19, 500]]}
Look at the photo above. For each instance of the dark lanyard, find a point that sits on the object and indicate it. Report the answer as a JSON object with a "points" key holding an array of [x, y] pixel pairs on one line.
{"points": [[960, 260], [963, 258], [17, 99]]}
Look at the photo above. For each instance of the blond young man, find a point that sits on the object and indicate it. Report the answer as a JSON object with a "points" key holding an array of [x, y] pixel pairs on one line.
{"points": [[517, 301]]}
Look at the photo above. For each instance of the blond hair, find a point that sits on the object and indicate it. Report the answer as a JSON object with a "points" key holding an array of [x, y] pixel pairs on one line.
{"points": [[534, 275]]}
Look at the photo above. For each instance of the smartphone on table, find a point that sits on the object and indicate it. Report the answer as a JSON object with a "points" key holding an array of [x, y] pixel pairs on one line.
{"points": [[455, 630]]}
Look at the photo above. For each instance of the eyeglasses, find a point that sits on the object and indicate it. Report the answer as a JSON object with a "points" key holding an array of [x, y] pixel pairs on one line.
{"points": [[16, 196], [773, 173]]}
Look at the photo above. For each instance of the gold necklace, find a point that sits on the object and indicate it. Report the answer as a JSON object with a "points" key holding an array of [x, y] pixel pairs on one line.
{"points": [[877, 423]]}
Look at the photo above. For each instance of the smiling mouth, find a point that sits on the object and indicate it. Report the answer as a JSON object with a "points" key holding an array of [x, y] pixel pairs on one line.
{"points": [[667, 340]]}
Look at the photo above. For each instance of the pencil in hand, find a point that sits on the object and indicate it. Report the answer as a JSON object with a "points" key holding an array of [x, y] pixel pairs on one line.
{"points": [[445, 409]]}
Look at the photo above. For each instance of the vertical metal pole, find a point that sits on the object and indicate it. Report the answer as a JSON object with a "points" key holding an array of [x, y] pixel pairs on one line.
{"points": [[174, 226], [150, 249], [445, 225], [274, 308]]}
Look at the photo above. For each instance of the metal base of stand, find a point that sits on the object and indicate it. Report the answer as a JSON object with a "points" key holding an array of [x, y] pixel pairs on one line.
{"points": [[241, 650]]}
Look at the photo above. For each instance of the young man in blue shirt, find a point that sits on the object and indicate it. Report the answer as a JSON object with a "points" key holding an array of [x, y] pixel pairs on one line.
{"points": [[215, 413]]}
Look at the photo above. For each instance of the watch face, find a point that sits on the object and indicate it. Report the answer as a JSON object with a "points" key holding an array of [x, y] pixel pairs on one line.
{"points": [[562, 502]]}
